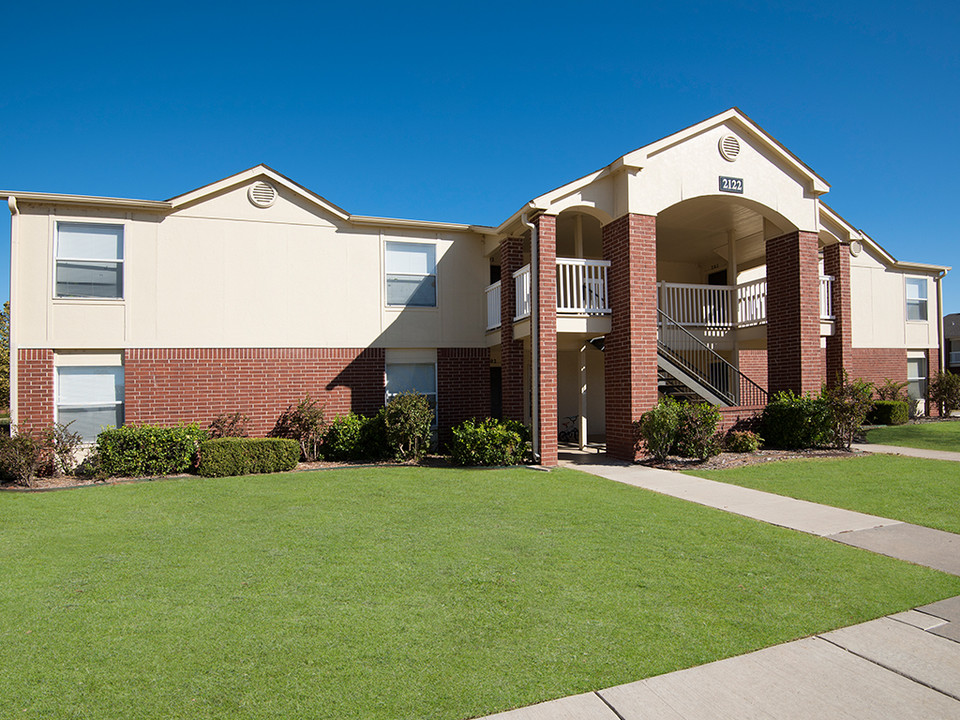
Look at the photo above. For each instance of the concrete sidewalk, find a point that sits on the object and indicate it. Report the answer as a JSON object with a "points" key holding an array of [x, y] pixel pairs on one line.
{"points": [[907, 451], [901, 666], [906, 665]]}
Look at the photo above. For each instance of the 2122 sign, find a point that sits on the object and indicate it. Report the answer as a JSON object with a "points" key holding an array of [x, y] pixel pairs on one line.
{"points": [[731, 185]]}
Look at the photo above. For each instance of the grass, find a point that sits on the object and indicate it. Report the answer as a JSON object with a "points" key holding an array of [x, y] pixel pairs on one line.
{"points": [[919, 491], [928, 436], [397, 593]]}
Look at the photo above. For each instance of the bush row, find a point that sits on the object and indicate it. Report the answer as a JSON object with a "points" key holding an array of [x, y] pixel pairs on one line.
{"points": [[227, 456], [679, 428]]}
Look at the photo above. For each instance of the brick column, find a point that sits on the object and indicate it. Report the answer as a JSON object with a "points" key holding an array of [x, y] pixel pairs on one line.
{"points": [[630, 352], [35, 399], [511, 351], [463, 388], [836, 262], [546, 337], [793, 313], [933, 368]]}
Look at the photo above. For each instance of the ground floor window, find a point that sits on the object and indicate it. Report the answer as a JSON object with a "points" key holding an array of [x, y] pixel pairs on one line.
{"points": [[413, 377], [917, 378], [90, 398]]}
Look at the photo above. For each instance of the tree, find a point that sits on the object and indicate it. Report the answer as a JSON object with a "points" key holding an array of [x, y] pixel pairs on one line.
{"points": [[5, 356]]}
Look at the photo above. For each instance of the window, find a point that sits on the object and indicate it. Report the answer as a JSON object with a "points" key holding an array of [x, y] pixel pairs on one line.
{"points": [[91, 398], [89, 261], [411, 270], [916, 298], [413, 377], [917, 377]]}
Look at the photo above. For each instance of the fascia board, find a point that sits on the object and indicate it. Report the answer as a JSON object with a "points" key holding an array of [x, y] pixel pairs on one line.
{"points": [[419, 224], [88, 200], [834, 217]]}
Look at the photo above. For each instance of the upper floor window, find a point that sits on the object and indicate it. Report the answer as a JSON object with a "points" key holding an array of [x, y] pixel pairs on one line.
{"points": [[411, 270], [89, 261], [916, 298]]}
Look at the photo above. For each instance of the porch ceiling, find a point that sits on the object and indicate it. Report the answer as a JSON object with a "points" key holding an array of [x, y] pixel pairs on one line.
{"points": [[696, 231]]}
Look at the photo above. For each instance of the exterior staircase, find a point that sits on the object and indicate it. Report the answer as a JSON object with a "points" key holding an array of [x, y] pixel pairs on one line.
{"points": [[688, 369]]}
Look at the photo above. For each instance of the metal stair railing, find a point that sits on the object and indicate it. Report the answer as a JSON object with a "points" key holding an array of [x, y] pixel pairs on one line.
{"points": [[697, 359]]}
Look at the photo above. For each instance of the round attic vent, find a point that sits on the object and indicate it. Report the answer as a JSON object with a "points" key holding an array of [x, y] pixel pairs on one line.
{"points": [[262, 194], [856, 247], [729, 147]]}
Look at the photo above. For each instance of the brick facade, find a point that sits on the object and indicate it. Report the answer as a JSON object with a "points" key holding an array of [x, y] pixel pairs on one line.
{"points": [[877, 364], [630, 355], [753, 364], [546, 337], [463, 387], [169, 386], [836, 262], [511, 351], [933, 368], [35, 400], [793, 313]]}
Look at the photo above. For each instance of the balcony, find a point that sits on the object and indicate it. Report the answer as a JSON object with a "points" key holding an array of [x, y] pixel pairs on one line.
{"points": [[582, 290]]}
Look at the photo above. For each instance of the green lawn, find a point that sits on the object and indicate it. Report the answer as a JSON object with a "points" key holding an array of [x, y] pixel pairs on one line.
{"points": [[396, 593], [929, 436], [924, 492]]}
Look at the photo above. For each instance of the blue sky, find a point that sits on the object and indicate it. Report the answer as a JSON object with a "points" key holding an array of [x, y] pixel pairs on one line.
{"points": [[463, 111]]}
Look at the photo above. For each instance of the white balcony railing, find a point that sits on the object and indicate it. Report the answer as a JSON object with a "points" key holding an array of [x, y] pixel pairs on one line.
{"points": [[493, 306], [826, 297], [521, 278], [582, 286], [752, 303]]}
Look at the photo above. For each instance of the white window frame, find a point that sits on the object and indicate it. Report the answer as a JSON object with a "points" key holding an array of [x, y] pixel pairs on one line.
{"points": [[436, 284], [922, 302], [58, 406], [387, 395], [118, 261], [921, 380]]}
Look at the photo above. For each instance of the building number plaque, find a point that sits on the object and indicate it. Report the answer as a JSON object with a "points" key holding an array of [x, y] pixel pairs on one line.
{"points": [[731, 184]]}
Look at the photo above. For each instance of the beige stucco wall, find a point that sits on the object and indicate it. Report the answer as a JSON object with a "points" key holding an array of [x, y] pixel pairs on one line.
{"points": [[878, 305], [693, 167], [568, 388], [223, 273]]}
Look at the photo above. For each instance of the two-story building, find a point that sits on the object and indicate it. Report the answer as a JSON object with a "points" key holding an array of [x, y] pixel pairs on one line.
{"points": [[704, 264]]}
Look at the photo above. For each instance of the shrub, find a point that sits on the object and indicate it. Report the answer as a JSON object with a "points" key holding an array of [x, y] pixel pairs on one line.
{"points": [[945, 391], [407, 420], [888, 412], [891, 390], [742, 441], [355, 437], [696, 431], [138, 450], [488, 442], [228, 425], [848, 403], [61, 445], [657, 427], [792, 421], [229, 456], [303, 423], [21, 457]]}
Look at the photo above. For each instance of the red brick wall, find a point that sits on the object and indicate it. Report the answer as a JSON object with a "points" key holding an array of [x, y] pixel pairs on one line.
{"points": [[35, 401], [933, 367], [170, 386], [547, 337], [630, 355], [463, 387], [877, 364], [836, 262], [793, 313], [511, 351], [753, 364], [743, 417]]}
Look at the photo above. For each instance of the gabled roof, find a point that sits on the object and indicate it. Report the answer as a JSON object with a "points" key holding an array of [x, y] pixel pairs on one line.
{"points": [[249, 174], [737, 117]]}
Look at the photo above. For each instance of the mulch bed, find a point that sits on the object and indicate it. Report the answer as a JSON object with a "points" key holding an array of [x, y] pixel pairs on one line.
{"points": [[733, 460]]}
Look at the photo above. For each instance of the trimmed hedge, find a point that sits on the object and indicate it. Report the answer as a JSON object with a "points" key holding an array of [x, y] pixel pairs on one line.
{"points": [[231, 456], [139, 450], [353, 437], [888, 412], [489, 442], [791, 421]]}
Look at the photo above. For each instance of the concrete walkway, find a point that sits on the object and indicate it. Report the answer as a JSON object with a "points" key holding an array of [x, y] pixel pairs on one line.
{"points": [[906, 665], [907, 451]]}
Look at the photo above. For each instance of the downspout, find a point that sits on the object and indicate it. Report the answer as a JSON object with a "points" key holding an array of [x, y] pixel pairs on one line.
{"points": [[534, 334], [14, 262], [940, 349]]}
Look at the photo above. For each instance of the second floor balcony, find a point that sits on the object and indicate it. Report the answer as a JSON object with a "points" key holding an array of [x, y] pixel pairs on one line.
{"points": [[582, 290]]}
